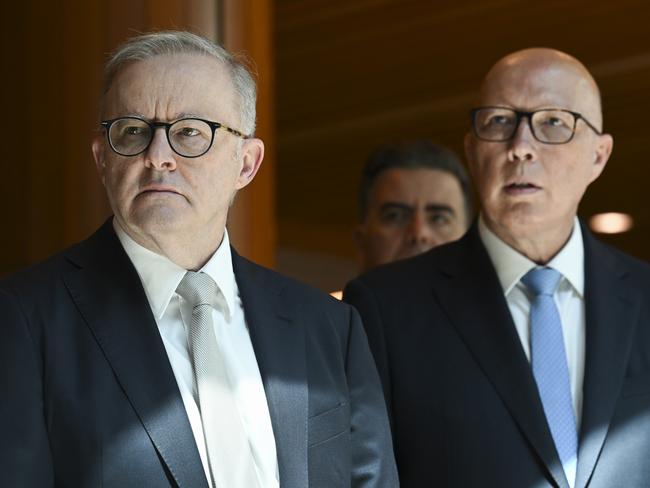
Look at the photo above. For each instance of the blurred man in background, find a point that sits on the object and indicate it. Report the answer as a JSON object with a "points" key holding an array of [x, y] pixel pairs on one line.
{"points": [[413, 196]]}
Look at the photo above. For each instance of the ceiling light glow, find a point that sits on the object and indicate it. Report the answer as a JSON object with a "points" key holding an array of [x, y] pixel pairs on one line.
{"points": [[611, 222]]}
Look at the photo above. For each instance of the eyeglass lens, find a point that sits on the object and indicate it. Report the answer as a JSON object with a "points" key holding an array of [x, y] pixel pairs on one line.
{"points": [[188, 137], [500, 124]]}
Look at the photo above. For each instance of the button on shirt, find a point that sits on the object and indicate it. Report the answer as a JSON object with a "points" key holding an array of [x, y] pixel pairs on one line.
{"points": [[160, 278], [511, 266]]}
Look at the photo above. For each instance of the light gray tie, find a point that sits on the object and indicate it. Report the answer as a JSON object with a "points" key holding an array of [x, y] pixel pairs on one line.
{"points": [[229, 454]]}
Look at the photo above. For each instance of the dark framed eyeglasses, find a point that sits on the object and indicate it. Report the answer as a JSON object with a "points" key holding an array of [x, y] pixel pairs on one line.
{"points": [[188, 137], [548, 125]]}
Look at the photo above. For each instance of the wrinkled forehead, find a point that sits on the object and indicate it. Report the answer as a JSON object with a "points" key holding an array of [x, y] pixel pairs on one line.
{"points": [[168, 86], [534, 85]]}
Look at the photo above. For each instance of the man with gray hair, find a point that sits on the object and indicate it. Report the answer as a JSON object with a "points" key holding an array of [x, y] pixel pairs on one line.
{"points": [[152, 354]]}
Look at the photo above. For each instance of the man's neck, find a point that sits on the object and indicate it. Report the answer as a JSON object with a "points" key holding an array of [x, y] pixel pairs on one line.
{"points": [[538, 245], [190, 251]]}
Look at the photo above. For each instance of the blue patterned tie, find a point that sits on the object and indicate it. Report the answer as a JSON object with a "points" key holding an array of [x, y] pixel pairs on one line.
{"points": [[549, 364]]}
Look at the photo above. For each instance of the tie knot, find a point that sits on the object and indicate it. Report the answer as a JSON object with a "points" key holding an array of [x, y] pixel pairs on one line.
{"points": [[542, 281], [198, 289]]}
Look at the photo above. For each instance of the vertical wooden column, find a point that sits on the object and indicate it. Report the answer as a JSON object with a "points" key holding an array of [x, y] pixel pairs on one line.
{"points": [[83, 52], [246, 27]]}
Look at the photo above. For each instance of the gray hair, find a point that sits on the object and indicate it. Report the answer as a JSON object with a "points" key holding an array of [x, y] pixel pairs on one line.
{"points": [[147, 46]]}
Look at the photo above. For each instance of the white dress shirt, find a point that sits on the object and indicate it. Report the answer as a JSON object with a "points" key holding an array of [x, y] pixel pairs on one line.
{"points": [[160, 278], [511, 266]]}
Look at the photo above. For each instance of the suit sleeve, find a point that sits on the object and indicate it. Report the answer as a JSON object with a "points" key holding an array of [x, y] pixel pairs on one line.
{"points": [[361, 298], [25, 459], [373, 461]]}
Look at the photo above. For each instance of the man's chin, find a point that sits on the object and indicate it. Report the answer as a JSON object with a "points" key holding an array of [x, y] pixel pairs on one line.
{"points": [[521, 217], [158, 218]]}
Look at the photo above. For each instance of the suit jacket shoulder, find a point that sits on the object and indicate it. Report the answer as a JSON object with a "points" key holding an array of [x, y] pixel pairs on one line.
{"points": [[315, 363], [460, 389]]}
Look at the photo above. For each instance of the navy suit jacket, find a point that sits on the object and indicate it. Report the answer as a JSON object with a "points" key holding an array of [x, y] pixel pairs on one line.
{"points": [[89, 398], [463, 403]]}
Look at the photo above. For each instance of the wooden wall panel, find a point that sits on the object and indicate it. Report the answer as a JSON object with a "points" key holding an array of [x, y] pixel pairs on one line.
{"points": [[247, 29], [14, 156]]}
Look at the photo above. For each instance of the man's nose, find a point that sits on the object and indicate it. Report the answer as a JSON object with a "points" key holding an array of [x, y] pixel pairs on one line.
{"points": [[159, 155], [419, 231], [522, 145]]}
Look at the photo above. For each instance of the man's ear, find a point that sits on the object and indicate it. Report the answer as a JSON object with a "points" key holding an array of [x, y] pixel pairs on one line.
{"points": [[98, 149], [252, 154], [603, 151]]}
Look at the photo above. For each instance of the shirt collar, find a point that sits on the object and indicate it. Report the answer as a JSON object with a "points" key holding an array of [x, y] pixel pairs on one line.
{"points": [[160, 276], [511, 265]]}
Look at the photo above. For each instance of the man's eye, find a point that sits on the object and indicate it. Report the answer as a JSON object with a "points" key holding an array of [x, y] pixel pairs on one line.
{"points": [[499, 120], [134, 130], [554, 122], [188, 132], [439, 219], [393, 217]]}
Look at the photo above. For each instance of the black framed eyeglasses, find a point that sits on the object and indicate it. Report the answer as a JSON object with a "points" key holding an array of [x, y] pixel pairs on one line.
{"points": [[548, 125], [189, 137]]}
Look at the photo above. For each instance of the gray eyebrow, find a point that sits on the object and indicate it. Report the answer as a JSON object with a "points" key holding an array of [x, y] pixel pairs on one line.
{"points": [[183, 115]]}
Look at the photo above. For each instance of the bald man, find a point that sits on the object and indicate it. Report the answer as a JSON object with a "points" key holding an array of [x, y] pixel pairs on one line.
{"points": [[519, 356]]}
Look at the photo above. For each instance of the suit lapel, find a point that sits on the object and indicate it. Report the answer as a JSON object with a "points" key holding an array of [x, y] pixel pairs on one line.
{"points": [[489, 333], [280, 351], [110, 297], [612, 310]]}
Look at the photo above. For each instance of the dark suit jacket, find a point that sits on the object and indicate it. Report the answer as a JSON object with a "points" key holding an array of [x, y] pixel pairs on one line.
{"points": [[463, 402], [89, 398]]}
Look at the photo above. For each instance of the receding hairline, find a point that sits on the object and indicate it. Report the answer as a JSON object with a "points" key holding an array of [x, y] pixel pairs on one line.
{"points": [[152, 45], [109, 80], [207, 62]]}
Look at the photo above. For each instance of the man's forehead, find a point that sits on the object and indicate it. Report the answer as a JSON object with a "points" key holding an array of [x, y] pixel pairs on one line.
{"points": [[541, 85], [541, 78], [177, 85], [414, 183]]}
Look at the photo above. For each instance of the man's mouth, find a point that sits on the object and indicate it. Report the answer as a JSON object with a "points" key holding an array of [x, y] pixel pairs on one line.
{"points": [[157, 189], [522, 188]]}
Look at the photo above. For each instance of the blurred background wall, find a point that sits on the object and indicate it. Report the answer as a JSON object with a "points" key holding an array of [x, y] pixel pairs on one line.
{"points": [[337, 78]]}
